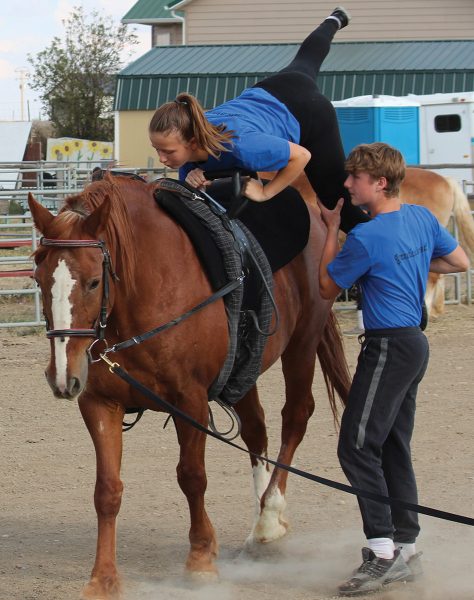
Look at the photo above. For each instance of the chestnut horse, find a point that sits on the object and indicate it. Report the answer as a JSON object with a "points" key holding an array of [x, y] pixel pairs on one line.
{"points": [[158, 277], [444, 197]]}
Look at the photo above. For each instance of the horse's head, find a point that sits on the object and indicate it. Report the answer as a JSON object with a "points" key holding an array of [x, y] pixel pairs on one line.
{"points": [[73, 273]]}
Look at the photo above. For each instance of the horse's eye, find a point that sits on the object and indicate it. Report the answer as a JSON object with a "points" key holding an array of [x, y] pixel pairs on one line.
{"points": [[94, 284]]}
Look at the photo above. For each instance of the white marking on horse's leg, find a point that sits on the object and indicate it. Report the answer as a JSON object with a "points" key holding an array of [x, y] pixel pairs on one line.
{"points": [[61, 310], [269, 523], [261, 479]]}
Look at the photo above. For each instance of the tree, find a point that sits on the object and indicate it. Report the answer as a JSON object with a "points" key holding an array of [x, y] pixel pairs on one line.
{"points": [[76, 75]]}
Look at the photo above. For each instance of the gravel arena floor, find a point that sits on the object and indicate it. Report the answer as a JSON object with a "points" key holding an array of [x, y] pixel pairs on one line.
{"points": [[47, 518]]}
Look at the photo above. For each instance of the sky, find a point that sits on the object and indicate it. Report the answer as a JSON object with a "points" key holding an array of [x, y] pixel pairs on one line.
{"points": [[27, 27]]}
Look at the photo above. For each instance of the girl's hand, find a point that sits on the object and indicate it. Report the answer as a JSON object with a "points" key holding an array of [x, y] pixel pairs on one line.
{"points": [[253, 189], [196, 179]]}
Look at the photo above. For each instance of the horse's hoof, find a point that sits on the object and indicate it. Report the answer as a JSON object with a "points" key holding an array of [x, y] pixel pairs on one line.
{"points": [[95, 591], [202, 577], [269, 530], [257, 550]]}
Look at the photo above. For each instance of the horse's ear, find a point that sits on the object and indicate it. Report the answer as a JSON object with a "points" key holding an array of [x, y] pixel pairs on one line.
{"points": [[96, 222], [41, 215]]}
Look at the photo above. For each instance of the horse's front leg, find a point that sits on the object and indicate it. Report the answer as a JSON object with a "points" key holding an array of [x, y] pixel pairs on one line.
{"points": [[270, 523], [104, 422], [193, 482], [298, 368]]}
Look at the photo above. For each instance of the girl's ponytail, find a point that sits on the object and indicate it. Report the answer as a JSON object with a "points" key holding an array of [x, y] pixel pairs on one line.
{"points": [[186, 116]]}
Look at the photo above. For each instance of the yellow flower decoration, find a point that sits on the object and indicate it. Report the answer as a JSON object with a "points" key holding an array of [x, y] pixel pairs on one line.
{"points": [[106, 151], [77, 144], [93, 146], [57, 152], [67, 148]]}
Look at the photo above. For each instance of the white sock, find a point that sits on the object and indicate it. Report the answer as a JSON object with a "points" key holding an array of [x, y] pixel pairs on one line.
{"points": [[382, 547], [406, 550], [339, 24]]}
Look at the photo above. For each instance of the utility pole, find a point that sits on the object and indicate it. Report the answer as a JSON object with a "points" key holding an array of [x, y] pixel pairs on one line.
{"points": [[22, 77]]}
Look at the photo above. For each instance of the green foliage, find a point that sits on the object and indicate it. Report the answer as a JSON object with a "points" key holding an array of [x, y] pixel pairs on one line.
{"points": [[75, 75]]}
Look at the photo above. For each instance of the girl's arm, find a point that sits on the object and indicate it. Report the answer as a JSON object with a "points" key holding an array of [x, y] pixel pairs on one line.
{"points": [[255, 190]]}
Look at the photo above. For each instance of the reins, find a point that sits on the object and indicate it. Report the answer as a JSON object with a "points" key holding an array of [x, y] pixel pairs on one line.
{"points": [[138, 339], [99, 331], [176, 412]]}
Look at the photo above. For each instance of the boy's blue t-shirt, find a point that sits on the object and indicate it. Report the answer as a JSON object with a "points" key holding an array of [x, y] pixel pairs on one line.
{"points": [[263, 126], [390, 257]]}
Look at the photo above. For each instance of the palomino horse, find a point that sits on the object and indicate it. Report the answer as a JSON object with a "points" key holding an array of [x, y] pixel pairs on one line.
{"points": [[158, 278], [443, 196]]}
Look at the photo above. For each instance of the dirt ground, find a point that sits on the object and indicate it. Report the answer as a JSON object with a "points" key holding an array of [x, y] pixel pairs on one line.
{"points": [[47, 518]]}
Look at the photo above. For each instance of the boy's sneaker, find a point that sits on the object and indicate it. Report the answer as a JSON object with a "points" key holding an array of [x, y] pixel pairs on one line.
{"points": [[415, 566], [374, 573], [341, 15]]}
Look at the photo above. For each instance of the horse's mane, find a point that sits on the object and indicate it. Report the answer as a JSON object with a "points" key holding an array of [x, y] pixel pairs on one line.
{"points": [[118, 230]]}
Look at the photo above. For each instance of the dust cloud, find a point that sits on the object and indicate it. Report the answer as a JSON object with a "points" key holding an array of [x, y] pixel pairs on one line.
{"points": [[309, 567]]}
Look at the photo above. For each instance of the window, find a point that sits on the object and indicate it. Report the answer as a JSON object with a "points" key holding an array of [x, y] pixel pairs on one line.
{"points": [[446, 123], [163, 39]]}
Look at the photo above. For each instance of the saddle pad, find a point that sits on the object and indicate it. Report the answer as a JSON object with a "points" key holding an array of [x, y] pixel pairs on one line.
{"points": [[207, 250], [280, 225], [204, 245]]}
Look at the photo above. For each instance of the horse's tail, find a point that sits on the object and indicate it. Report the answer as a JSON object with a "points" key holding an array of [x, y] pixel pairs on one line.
{"points": [[463, 216], [334, 364]]}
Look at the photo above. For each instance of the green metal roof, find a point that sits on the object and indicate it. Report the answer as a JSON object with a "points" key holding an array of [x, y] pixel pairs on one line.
{"points": [[149, 11], [218, 73]]}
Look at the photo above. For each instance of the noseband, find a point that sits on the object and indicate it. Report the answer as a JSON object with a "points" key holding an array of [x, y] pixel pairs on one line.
{"points": [[99, 331]]}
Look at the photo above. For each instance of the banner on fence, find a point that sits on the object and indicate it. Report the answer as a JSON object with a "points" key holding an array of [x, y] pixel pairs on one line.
{"points": [[74, 150]]}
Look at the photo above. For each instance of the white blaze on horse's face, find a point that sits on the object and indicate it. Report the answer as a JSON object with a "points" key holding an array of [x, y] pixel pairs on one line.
{"points": [[61, 310]]}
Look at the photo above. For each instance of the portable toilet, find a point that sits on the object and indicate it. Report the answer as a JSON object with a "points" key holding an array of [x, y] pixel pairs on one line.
{"points": [[390, 119], [447, 133]]}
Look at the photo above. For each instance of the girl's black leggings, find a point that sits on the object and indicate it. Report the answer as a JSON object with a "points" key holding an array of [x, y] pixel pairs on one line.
{"points": [[295, 86]]}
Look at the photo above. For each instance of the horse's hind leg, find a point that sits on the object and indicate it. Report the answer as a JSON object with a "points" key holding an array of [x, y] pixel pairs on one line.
{"points": [[193, 482], [104, 423], [298, 370]]}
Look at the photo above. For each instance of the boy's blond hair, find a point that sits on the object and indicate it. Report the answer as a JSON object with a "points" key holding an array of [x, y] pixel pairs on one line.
{"points": [[378, 160]]}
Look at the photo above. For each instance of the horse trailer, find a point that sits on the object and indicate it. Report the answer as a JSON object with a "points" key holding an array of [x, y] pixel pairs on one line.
{"points": [[447, 133]]}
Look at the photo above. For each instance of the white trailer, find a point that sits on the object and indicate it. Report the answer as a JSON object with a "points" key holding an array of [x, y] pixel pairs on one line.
{"points": [[447, 133]]}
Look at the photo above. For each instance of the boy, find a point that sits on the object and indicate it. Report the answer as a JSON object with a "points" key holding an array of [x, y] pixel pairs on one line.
{"points": [[390, 257]]}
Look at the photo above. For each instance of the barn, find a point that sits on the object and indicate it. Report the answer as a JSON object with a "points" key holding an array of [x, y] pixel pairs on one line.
{"points": [[426, 48]]}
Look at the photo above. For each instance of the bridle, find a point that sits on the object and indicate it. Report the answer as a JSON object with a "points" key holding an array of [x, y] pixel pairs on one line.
{"points": [[101, 322]]}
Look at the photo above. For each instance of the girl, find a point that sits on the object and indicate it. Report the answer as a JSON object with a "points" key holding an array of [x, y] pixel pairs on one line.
{"points": [[281, 124]]}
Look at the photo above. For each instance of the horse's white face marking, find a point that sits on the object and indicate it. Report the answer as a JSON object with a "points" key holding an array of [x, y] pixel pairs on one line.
{"points": [[61, 310]]}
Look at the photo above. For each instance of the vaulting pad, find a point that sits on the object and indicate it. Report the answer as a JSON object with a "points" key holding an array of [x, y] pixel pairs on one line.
{"points": [[281, 225], [236, 249]]}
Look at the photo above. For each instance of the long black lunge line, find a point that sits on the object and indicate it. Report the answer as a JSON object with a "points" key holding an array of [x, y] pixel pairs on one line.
{"points": [[176, 412]]}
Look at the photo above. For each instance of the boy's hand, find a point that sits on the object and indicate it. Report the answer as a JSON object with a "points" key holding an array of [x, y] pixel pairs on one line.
{"points": [[331, 218]]}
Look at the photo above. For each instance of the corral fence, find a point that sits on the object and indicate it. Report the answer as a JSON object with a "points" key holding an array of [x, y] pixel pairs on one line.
{"points": [[20, 302], [50, 183]]}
